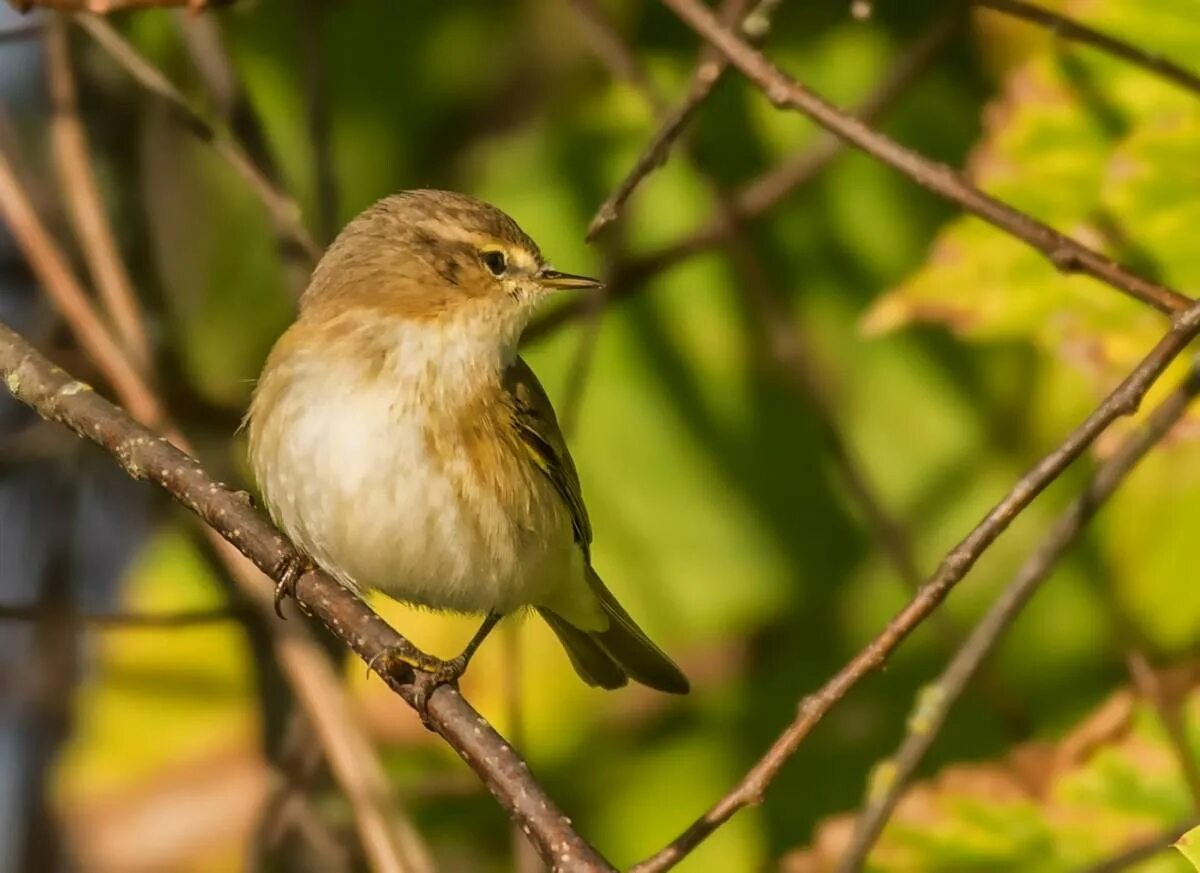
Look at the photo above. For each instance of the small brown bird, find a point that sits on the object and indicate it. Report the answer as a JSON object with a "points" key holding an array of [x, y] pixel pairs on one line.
{"points": [[404, 446]]}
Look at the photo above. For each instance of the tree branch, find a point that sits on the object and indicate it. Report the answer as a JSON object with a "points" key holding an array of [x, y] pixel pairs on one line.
{"points": [[1069, 28], [386, 836], [672, 121], [783, 337], [79, 189], [68, 296], [762, 194], [1124, 400], [1065, 253], [282, 209], [56, 396], [934, 701]]}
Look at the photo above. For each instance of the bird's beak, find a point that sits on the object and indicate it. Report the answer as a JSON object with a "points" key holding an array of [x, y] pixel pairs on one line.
{"points": [[555, 280]]}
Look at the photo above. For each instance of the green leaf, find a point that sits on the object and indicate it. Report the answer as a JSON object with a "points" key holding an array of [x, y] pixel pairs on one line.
{"points": [[1099, 149], [1189, 846]]}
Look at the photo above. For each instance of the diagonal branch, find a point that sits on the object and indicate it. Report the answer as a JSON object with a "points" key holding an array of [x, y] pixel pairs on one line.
{"points": [[83, 201], [56, 396], [764, 193], [782, 336], [284, 212], [709, 71], [68, 296], [1065, 253], [935, 700], [386, 836], [1069, 28], [1123, 400]]}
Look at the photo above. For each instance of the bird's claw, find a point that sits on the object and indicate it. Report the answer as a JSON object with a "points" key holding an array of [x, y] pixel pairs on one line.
{"points": [[429, 673], [291, 569]]}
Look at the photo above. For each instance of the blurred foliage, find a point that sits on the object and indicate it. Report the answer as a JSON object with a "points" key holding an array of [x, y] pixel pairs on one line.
{"points": [[1110, 784], [720, 520]]}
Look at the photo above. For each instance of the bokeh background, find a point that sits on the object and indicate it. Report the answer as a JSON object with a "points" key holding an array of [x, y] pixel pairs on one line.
{"points": [[950, 359]]}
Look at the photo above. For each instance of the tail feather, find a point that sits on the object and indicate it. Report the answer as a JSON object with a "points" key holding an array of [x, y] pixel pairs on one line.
{"points": [[608, 656], [632, 649], [594, 666]]}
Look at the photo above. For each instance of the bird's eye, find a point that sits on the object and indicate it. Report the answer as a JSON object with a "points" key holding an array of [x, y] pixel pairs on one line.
{"points": [[495, 262]]}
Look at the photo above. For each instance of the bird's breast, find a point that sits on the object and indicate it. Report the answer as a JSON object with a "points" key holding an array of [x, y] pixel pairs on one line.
{"points": [[404, 474]]}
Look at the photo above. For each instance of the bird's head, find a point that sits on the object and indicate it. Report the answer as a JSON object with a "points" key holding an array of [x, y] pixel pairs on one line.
{"points": [[436, 255]]}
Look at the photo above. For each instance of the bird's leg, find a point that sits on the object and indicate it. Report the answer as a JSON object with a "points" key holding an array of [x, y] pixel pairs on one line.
{"points": [[291, 569], [458, 666], [431, 671]]}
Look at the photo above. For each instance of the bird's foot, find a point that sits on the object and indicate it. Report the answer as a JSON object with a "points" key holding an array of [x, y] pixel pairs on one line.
{"points": [[290, 570], [429, 673]]}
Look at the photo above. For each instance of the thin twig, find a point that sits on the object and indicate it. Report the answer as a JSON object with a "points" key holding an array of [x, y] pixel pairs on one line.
{"points": [[53, 272], [672, 121], [284, 212], [767, 191], [608, 47], [1124, 400], [934, 701], [126, 620], [205, 45], [1069, 28], [82, 196], [1066, 254], [785, 341], [56, 396], [791, 352]]}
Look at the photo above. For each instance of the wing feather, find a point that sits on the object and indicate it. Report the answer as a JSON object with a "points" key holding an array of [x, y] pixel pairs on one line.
{"points": [[537, 426]]}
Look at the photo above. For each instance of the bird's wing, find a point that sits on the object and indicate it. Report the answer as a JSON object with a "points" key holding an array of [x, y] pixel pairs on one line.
{"points": [[540, 435]]}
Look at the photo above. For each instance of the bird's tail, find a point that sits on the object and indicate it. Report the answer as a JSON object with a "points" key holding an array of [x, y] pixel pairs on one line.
{"points": [[622, 651]]}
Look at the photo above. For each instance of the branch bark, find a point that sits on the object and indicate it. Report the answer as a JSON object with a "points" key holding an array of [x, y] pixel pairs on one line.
{"points": [[1069, 28], [283, 210], [56, 396], [68, 296], [387, 838], [1123, 400], [761, 194], [1066, 254], [673, 120], [934, 701], [82, 195]]}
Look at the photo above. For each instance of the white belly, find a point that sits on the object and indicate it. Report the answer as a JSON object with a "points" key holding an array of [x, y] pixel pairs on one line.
{"points": [[349, 476]]}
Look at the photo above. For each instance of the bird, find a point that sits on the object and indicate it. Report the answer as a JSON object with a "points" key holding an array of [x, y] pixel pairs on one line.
{"points": [[404, 446]]}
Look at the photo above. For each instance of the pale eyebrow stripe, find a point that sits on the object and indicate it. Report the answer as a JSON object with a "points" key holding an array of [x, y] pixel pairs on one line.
{"points": [[519, 255]]}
